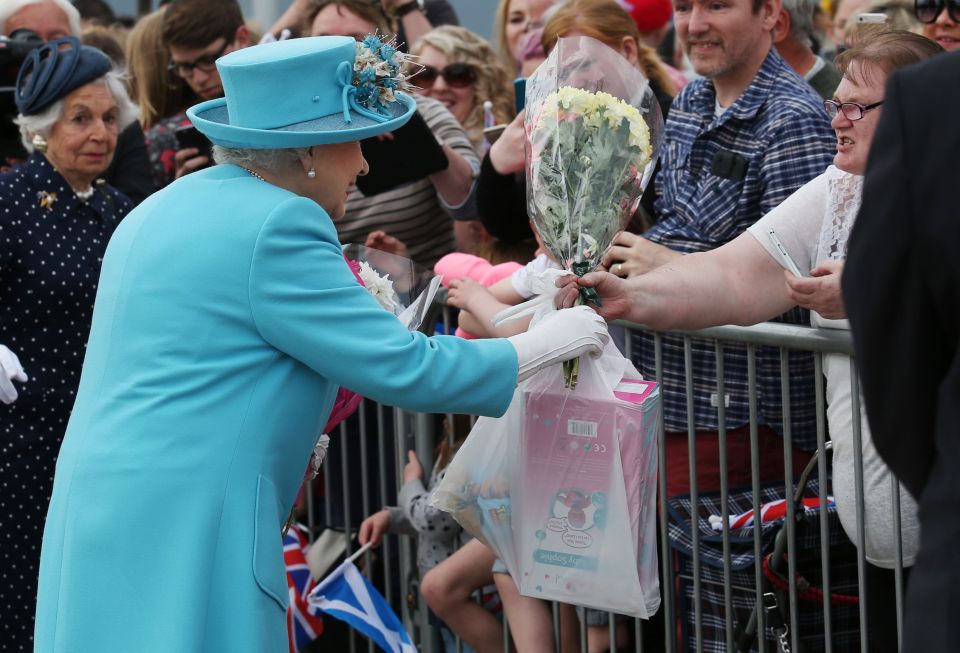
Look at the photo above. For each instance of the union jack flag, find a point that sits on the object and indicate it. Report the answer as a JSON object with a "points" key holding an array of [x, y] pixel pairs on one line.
{"points": [[770, 511], [304, 622]]}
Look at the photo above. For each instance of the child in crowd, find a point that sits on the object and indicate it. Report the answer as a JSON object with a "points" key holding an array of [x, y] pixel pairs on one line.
{"points": [[438, 534]]}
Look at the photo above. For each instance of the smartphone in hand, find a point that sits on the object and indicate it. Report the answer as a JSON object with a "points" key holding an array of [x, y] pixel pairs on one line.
{"points": [[412, 154], [784, 254], [520, 93], [493, 133], [190, 136]]}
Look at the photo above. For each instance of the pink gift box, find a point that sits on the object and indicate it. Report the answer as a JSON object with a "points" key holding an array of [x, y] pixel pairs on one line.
{"points": [[589, 488]]}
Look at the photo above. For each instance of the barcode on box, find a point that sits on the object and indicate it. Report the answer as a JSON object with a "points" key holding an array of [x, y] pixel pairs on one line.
{"points": [[581, 428]]}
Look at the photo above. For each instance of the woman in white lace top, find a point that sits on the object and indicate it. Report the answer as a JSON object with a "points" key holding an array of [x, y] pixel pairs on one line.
{"points": [[748, 281]]}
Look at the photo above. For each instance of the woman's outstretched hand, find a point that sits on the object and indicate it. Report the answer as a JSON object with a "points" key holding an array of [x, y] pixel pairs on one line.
{"points": [[613, 291]]}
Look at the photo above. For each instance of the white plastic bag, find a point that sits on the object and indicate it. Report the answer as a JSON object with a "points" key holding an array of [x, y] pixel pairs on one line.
{"points": [[563, 487]]}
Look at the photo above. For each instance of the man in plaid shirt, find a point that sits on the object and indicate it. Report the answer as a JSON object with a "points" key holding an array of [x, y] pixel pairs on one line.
{"points": [[737, 143]]}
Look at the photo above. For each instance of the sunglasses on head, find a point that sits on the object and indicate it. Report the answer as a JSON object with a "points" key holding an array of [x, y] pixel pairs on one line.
{"points": [[927, 11], [457, 75]]}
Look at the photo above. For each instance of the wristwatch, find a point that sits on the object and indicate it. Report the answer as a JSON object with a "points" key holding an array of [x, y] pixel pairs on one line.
{"points": [[407, 7]]}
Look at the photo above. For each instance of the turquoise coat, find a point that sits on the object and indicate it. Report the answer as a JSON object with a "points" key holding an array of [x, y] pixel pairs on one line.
{"points": [[224, 323]]}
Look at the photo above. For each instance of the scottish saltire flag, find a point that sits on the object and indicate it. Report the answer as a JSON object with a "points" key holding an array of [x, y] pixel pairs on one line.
{"points": [[347, 595], [304, 622]]}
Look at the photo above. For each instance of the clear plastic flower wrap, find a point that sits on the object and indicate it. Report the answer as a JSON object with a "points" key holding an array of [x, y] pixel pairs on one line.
{"points": [[593, 130], [400, 286]]}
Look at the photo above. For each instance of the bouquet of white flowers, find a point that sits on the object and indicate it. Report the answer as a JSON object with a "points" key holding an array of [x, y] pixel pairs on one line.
{"points": [[593, 130]]}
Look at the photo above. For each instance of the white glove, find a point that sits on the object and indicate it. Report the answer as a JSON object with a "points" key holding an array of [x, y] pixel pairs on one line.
{"points": [[10, 370], [559, 336]]}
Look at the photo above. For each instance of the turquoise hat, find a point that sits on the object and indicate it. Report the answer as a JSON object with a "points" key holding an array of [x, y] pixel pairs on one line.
{"points": [[303, 92]]}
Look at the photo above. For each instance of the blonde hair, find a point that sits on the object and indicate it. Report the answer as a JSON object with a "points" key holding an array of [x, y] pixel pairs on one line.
{"points": [[609, 23], [460, 45], [159, 93], [500, 27]]}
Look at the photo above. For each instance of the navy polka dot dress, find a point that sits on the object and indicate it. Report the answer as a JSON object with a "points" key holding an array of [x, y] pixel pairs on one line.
{"points": [[51, 247]]}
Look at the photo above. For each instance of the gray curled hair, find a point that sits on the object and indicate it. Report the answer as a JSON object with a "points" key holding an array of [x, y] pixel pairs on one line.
{"points": [[42, 123], [801, 19], [274, 159]]}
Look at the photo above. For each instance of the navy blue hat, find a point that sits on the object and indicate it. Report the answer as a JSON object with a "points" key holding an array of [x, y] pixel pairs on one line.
{"points": [[51, 71]]}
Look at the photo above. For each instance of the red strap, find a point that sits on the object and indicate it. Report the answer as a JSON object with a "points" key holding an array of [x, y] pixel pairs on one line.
{"points": [[811, 594]]}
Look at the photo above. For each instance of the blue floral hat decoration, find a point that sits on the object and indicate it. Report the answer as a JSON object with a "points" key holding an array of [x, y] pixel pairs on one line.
{"points": [[307, 91]]}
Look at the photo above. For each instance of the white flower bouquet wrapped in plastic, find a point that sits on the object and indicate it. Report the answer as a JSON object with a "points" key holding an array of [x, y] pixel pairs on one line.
{"points": [[593, 130]]}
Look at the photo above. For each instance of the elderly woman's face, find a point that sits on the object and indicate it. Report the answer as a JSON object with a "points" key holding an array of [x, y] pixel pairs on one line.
{"points": [[337, 166], [81, 144], [458, 97], [854, 137]]}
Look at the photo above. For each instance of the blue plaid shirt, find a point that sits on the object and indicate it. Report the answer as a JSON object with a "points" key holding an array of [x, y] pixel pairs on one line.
{"points": [[782, 135]]}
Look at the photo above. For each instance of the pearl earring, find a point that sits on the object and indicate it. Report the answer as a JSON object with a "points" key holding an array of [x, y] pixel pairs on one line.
{"points": [[39, 143], [311, 173]]}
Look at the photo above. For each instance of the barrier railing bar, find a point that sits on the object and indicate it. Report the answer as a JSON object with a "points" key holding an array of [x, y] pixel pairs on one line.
{"points": [[824, 521], [761, 629], [667, 586], [724, 495], [898, 568], [694, 494], [861, 534], [345, 487], [382, 468], [772, 334], [791, 521]]}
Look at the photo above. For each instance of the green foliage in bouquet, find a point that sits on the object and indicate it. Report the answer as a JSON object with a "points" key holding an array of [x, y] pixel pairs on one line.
{"points": [[592, 151]]}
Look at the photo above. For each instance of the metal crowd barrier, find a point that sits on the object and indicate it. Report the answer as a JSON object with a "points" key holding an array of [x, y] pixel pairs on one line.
{"points": [[364, 466]]}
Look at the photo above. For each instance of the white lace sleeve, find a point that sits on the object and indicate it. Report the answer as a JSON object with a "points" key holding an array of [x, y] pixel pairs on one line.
{"points": [[797, 221], [844, 193]]}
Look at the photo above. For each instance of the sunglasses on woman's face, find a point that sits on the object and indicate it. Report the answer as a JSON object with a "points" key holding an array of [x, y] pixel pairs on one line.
{"points": [[927, 11], [457, 75]]}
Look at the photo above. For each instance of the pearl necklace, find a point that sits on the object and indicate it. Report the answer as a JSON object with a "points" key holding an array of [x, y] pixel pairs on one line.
{"points": [[84, 195], [256, 175]]}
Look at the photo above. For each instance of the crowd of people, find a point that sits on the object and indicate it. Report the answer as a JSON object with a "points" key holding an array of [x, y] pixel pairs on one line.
{"points": [[171, 281]]}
